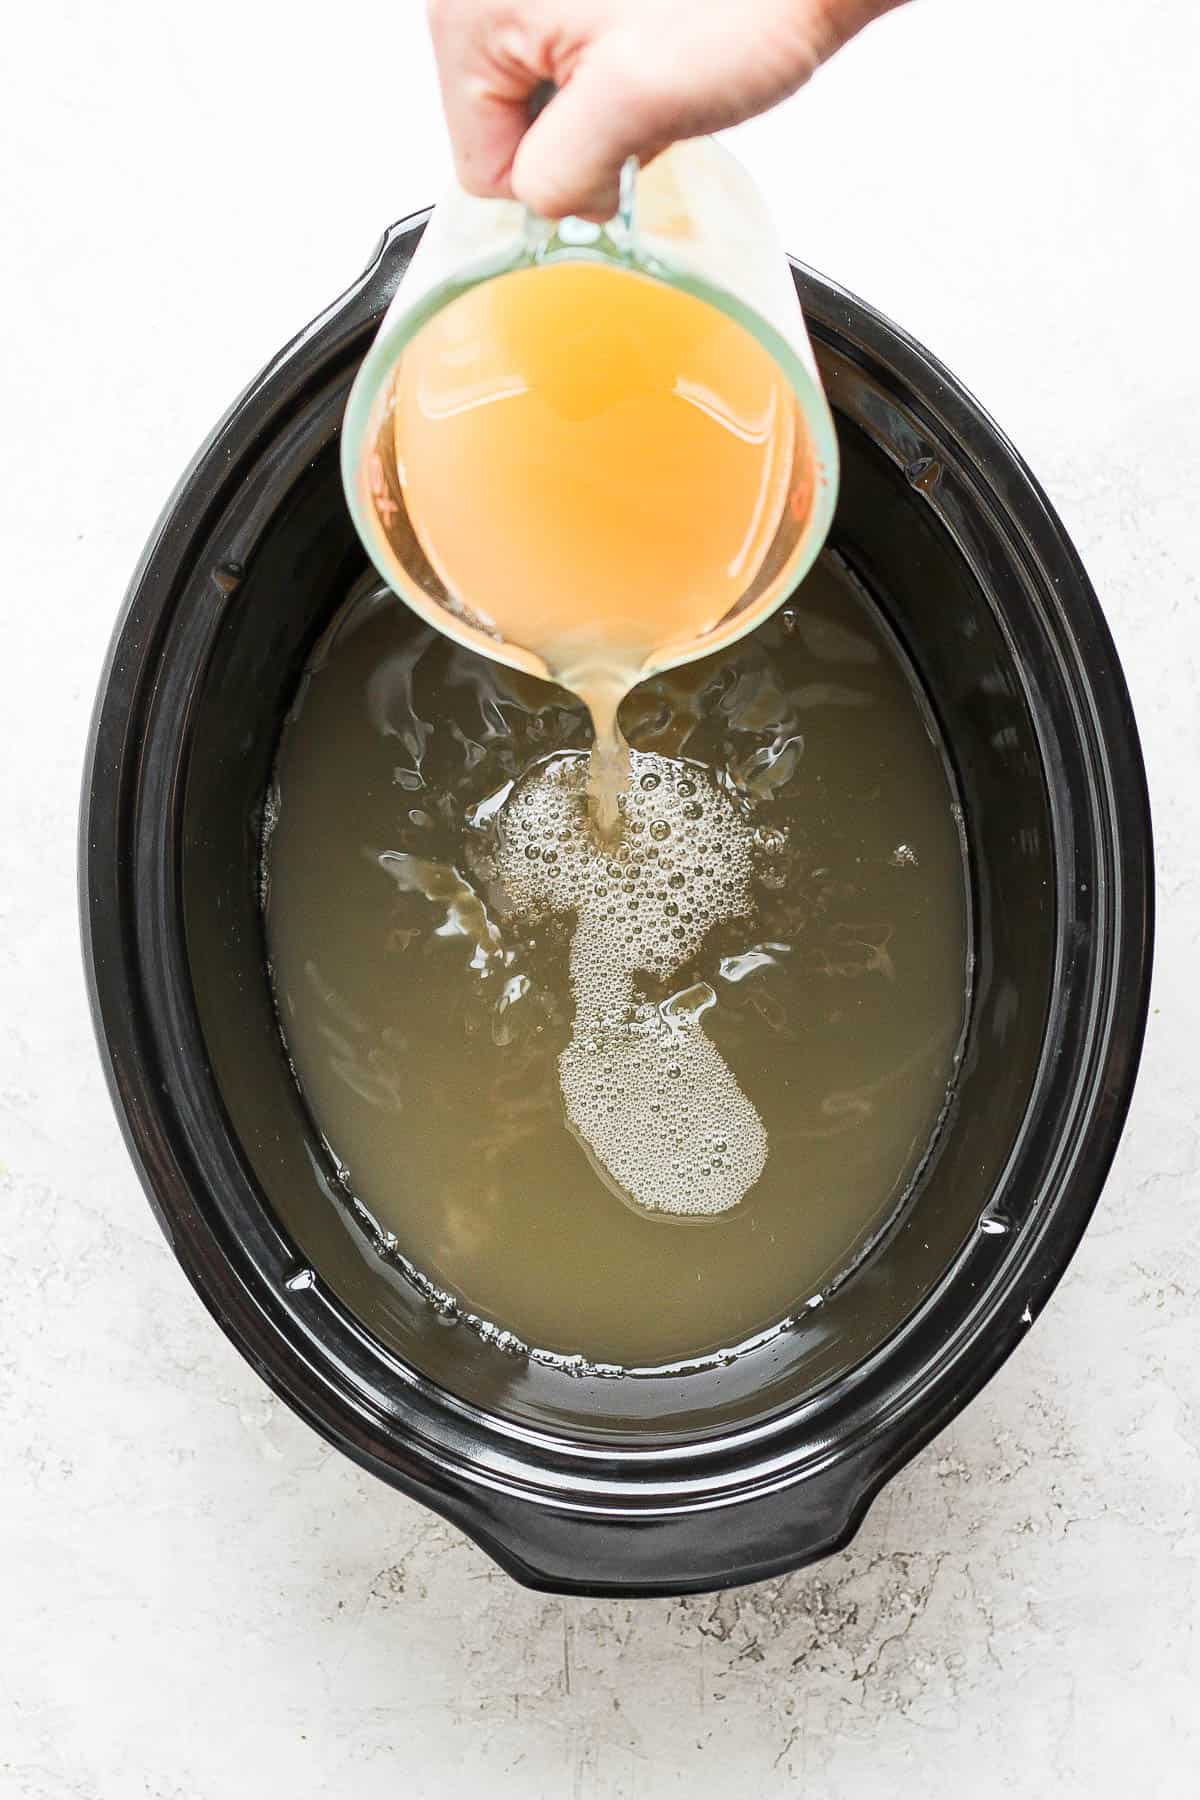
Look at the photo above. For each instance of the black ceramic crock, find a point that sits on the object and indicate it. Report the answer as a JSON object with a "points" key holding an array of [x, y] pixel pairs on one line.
{"points": [[585, 1483]]}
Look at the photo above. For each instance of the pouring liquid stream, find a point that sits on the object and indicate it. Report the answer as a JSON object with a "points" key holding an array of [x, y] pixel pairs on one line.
{"points": [[596, 475], [596, 465]]}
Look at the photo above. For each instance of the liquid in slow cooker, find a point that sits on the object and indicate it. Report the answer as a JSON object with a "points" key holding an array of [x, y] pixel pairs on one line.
{"points": [[485, 1041]]}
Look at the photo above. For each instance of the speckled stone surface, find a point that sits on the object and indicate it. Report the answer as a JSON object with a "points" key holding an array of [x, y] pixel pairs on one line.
{"points": [[202, 1602]]}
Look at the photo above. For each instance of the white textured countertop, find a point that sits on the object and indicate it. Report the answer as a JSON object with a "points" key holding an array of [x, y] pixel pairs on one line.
{"points": [[200, 1600]]}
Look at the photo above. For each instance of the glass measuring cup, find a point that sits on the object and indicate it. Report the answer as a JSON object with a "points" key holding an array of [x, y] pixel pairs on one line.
{"points": [[691, 222]]}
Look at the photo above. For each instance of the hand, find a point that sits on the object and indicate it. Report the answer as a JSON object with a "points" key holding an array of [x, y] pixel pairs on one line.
{"points": [[633, 77]]}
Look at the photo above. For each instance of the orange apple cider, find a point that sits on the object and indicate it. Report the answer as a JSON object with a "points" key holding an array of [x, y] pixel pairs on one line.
{"points": [[596, 465]]}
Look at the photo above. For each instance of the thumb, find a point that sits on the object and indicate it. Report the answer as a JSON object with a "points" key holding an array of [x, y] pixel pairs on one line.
{"points": [[570, 159]]}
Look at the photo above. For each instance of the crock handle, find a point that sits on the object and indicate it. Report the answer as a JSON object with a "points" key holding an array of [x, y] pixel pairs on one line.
{"points": [[635, 1552]]}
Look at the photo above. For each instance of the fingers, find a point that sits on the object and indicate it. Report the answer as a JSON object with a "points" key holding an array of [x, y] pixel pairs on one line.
{"points": [[485, 134], [570, 159], [632, 76], [841, 21], [486, 80]]}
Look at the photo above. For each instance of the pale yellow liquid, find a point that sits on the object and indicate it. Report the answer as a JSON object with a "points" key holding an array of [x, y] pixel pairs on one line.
{"points": [[596, 466], [636, 1094], [428, 1007]]}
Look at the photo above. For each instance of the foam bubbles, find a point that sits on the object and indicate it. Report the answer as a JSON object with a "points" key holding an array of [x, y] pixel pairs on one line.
{"points": [[651, 1098]]}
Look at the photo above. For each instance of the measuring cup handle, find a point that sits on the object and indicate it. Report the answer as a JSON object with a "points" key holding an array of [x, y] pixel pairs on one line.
{"points": [[625, 217]]}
